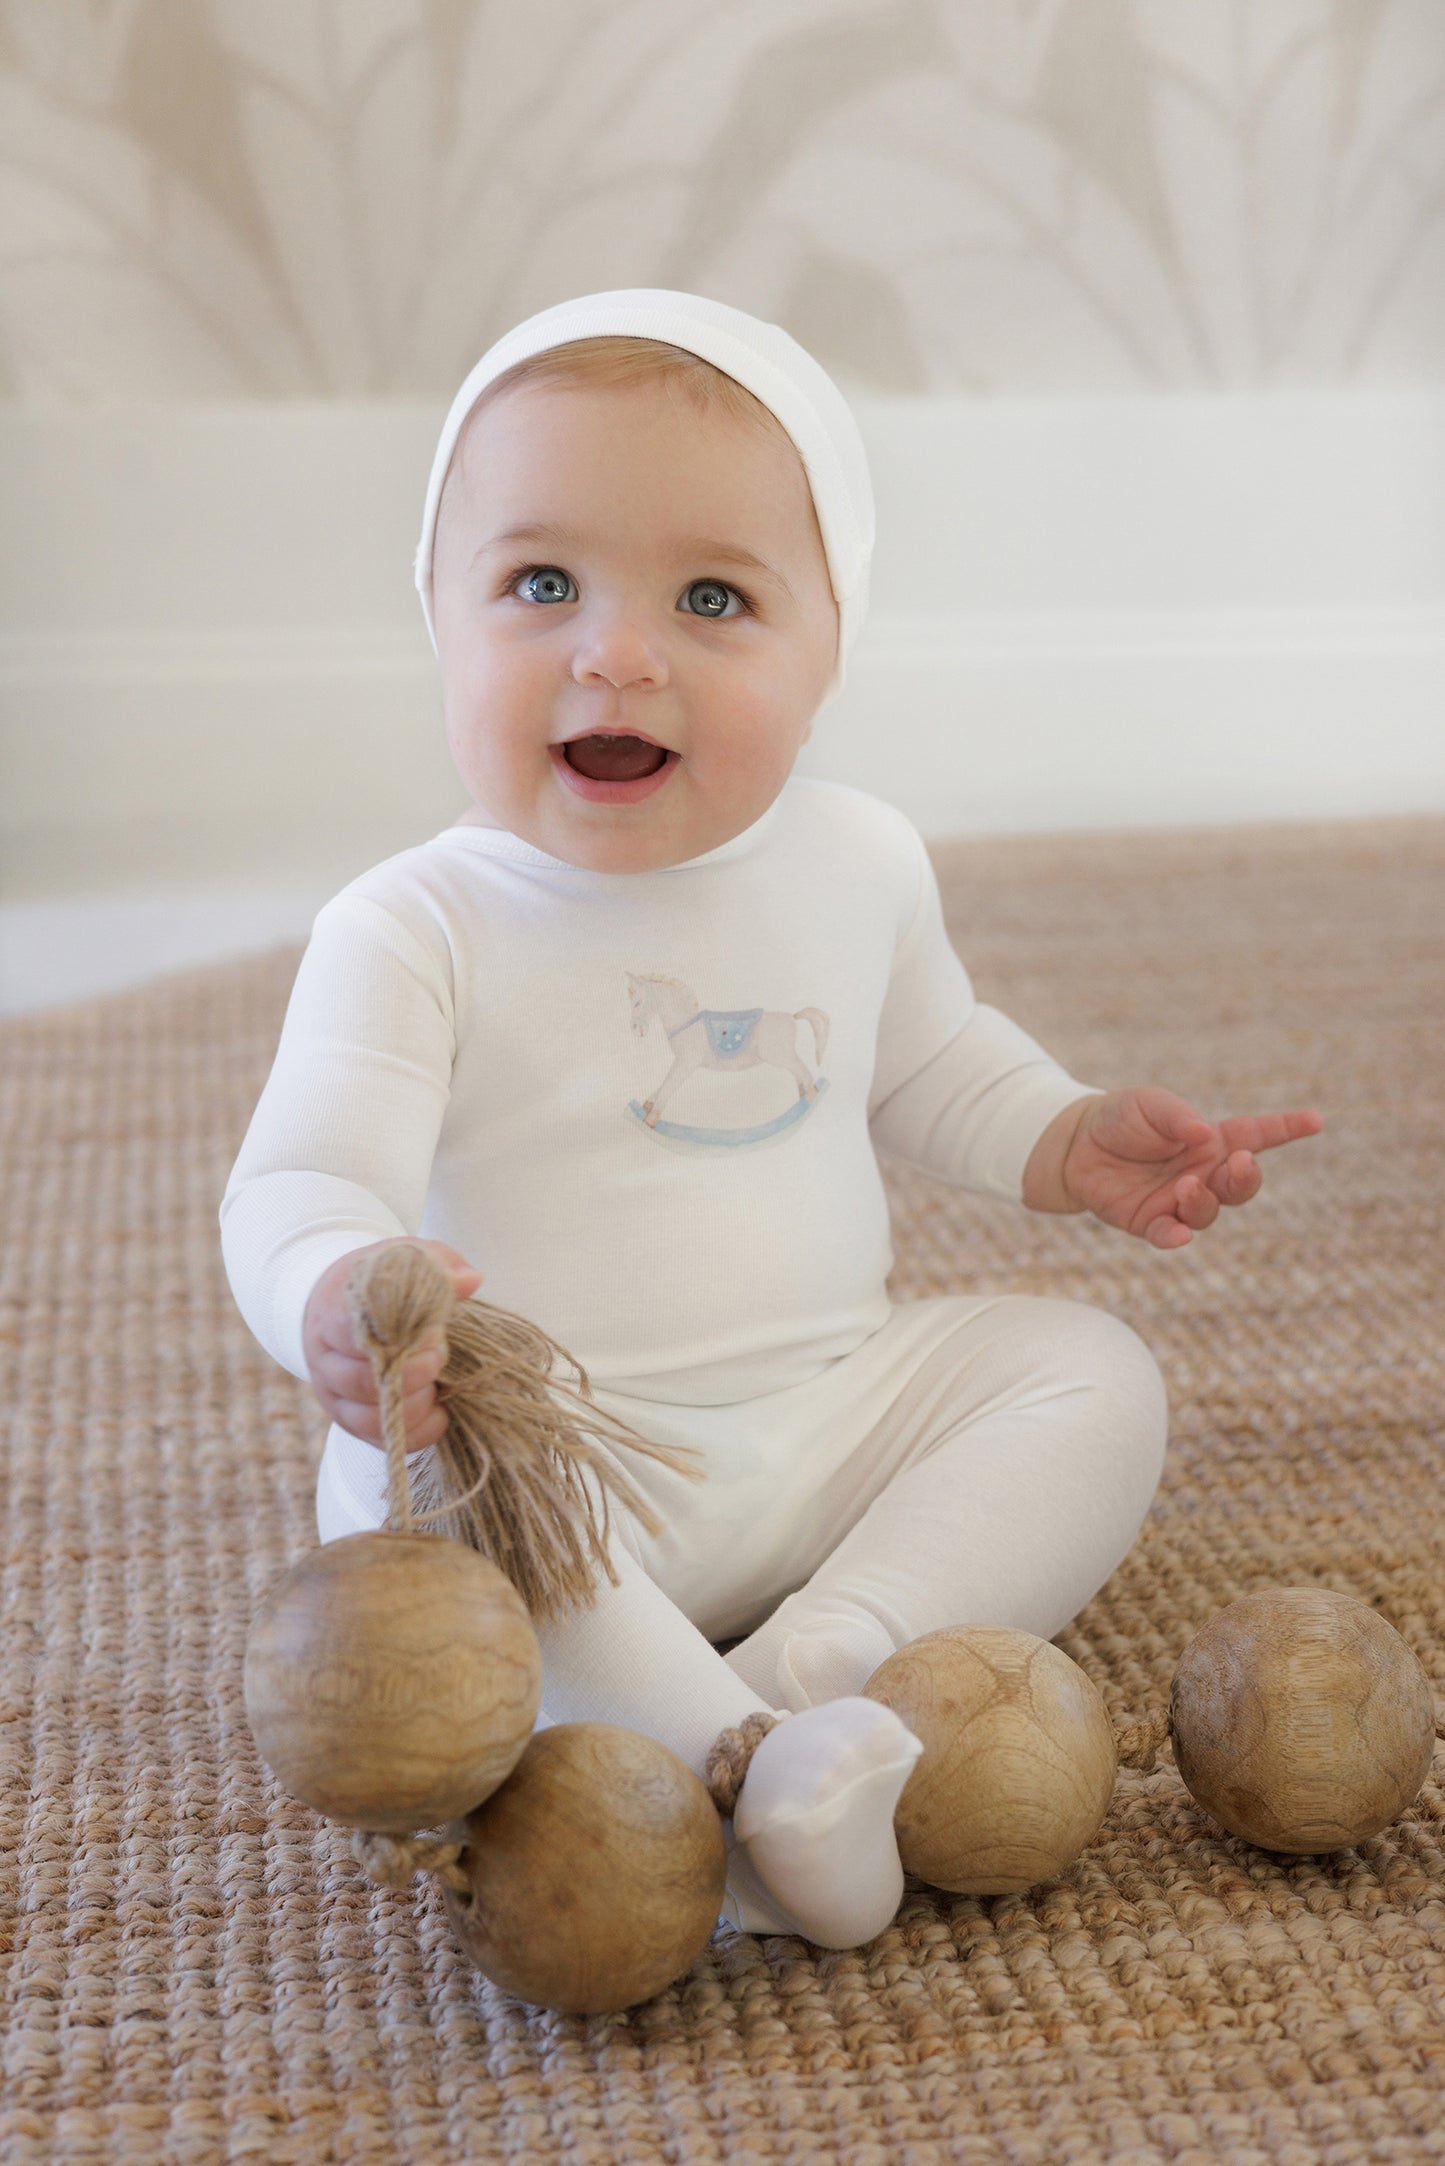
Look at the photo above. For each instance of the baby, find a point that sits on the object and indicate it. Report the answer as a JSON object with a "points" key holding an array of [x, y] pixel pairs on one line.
{"points": [[624, 1042]]}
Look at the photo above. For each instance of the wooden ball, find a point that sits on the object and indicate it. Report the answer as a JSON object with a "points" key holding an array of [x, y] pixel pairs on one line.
{"points": [[597, 1871], [1301, 1720], [392, 1680], [1019, 1760]]}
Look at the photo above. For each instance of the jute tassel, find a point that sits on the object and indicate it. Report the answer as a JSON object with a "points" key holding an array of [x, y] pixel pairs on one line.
{"points": [[507, 1477]]}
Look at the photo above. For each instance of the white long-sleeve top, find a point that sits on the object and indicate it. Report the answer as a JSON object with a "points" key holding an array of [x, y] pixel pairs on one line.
{"points": [[646, 1106]]}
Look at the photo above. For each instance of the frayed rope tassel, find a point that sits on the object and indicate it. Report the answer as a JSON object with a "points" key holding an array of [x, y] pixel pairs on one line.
{"points": [[511, 1475]]}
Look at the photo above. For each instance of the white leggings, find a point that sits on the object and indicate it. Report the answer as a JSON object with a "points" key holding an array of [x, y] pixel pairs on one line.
{"points": [[978, 1460]]}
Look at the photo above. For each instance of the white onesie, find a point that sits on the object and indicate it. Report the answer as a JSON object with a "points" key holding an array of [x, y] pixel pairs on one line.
{"points": [[644, 1105]]}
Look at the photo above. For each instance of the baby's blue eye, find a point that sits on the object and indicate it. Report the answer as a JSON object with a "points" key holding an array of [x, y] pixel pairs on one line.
{"points": [[714, 597], [551, 582], [548, 583]]}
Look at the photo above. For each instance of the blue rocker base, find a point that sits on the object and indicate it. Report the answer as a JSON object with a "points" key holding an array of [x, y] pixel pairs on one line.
{"points": [[728, 1138]]}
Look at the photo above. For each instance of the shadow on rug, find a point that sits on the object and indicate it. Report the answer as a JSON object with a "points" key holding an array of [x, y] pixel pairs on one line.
{"points": [[195, 1968]]}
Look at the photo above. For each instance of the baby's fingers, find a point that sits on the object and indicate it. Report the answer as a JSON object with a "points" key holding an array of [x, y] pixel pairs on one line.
{"points": [[1194, 1204], [1167, 1231], [423, 1420], [1194, 1209], [1237, 1179], [352, 1378], [1267, 1131]]}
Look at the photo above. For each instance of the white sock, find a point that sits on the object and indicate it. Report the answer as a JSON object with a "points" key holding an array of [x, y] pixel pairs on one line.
{"points": [[746, 1902], [814, 1823]]}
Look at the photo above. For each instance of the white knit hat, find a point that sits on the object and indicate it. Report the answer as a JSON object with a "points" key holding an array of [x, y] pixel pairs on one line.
{"points": [[763, 358]]}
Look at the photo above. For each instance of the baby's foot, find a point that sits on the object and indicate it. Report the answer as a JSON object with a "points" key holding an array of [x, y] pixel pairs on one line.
{"points": [[746, 1902], [814, 1822]]}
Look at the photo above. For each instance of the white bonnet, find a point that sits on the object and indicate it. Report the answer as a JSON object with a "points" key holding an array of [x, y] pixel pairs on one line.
{"points": [[763, 358]]}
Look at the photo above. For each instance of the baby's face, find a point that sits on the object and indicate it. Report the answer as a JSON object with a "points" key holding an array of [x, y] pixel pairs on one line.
{"points": [[636, 612]]}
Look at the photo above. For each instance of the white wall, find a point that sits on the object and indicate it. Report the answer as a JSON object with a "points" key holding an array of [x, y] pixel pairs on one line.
{"points": [[1185, 609]]}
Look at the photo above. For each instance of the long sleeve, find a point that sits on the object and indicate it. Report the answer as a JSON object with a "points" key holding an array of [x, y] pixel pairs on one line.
{"points": [[960, 1092], [340, 1147]]}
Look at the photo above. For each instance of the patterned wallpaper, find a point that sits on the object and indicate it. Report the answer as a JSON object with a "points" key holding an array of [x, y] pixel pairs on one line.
{"points": [[303, 198]]}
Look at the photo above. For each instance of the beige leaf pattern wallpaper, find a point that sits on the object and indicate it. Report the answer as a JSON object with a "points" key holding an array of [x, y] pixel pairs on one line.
{"points": [[266, 199]]}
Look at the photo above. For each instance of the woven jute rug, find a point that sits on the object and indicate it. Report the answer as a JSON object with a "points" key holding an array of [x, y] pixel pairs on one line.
{"points": [[195, 1969]]}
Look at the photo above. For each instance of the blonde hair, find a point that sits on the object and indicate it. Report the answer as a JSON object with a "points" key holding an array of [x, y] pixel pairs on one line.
{"points": [[614, 361]]}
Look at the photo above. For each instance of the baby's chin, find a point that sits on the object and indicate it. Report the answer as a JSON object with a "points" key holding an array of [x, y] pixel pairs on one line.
{"points": [[610, 846], [619, 852], [671, 827]]}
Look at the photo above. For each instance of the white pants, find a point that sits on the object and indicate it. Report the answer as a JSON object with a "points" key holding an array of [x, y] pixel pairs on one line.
{"points": [[979, 1460]]}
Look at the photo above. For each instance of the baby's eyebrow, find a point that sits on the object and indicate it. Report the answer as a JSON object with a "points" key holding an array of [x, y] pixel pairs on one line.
{"points": [[701, 545], [693, 545], [562, 535]]}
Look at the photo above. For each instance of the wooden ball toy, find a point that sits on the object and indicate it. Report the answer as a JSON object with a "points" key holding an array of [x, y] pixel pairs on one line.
{"points": [[392, 1680], [1019, 1759], [1301, 1720], [596, 1871]]}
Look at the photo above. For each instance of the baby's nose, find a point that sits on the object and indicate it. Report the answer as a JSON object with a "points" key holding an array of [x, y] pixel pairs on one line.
{"points": [[619, 653]]}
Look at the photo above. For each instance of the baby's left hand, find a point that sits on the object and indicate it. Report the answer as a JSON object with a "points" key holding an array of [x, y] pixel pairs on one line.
{"points": [[1144, 1160]]}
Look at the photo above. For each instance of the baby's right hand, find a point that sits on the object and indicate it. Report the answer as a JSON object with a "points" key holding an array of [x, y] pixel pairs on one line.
{"points": [[342, 1376]]}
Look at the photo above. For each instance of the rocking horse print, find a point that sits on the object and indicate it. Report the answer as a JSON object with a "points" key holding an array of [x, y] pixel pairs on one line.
{"points": [[721, 1038]]}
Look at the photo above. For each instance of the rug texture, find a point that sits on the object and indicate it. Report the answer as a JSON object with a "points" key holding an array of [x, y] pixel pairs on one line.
{"points": [[195, 1969]]}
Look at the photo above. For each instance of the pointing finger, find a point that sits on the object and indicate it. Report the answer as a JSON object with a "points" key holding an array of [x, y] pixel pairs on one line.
{"points": [[1266, 1131]]}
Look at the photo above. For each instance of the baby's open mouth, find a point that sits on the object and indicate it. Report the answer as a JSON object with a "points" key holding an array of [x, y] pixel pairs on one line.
{"points": [[614, 759]]}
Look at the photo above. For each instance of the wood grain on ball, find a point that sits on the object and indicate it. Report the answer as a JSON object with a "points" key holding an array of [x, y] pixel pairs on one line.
{"points": [[392, 1680], [597, 1871], [1019, 1760], [1301, 1720]]}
